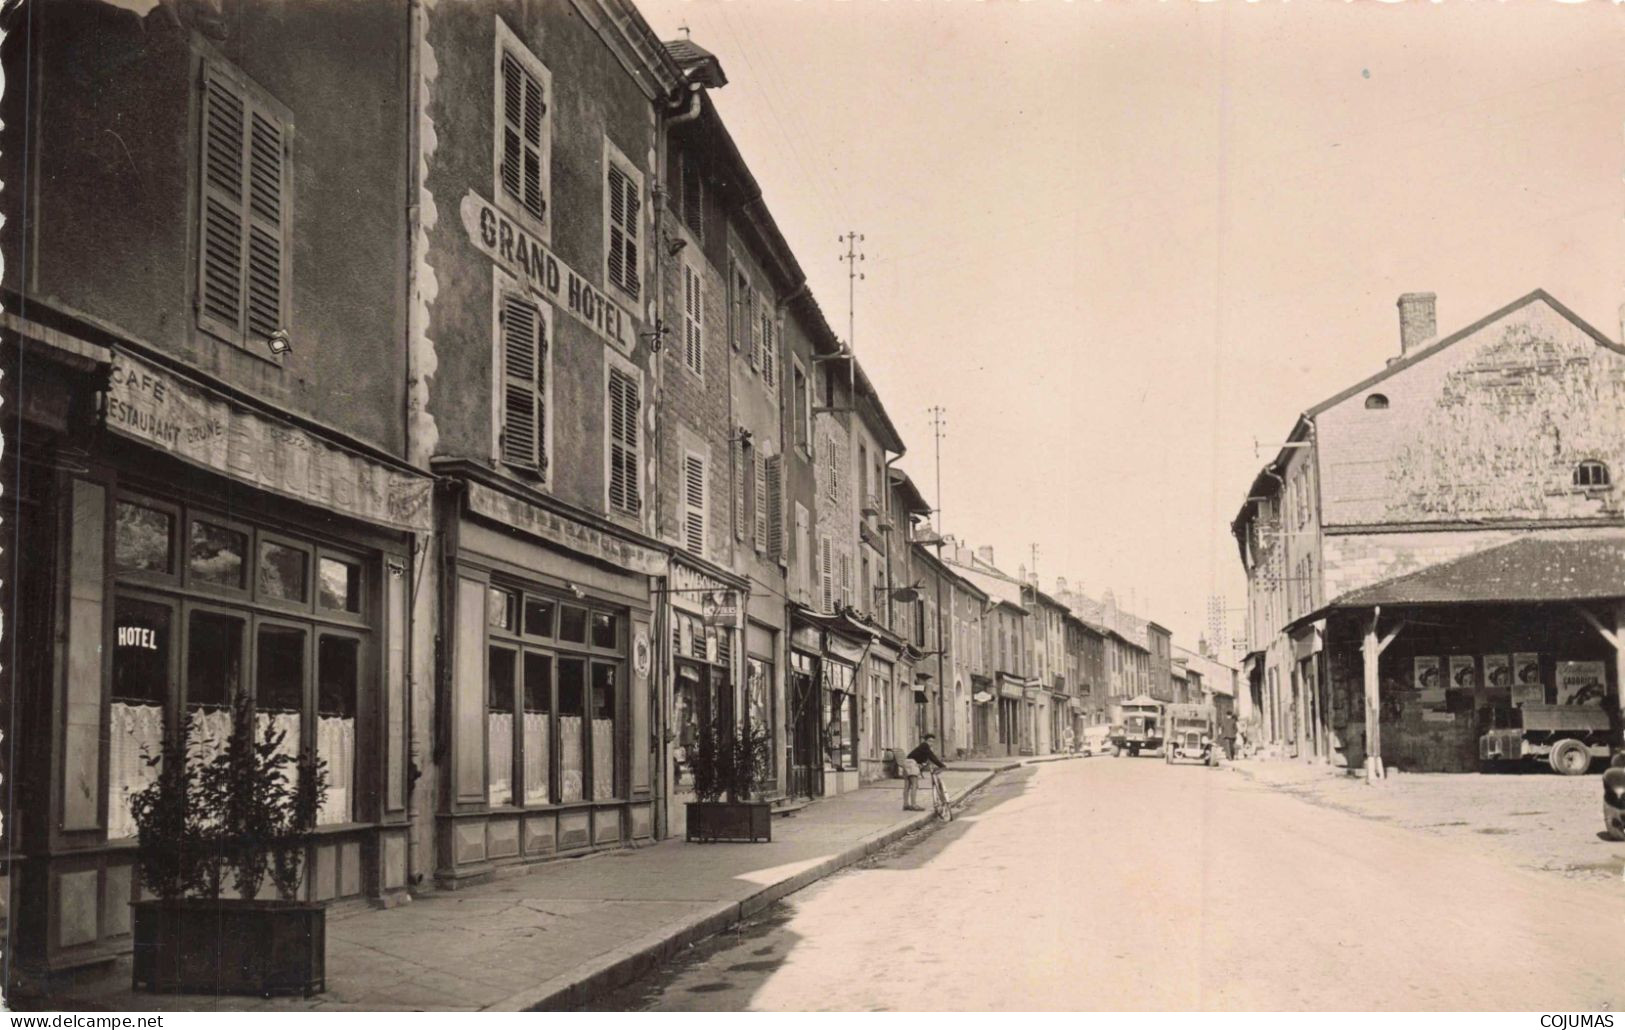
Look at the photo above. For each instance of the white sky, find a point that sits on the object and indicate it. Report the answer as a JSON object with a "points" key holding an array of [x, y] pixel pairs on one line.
{"points": [[1117, 242]]}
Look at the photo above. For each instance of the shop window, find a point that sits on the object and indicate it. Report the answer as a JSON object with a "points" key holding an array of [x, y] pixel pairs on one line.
{"points": [[604, 693], [338, 672], [279, 684], [499, 725], [759, 701], [282, 573], [217, 555], [143, 539], [537, 732], [572, 683], [539, 617], [573, 624], [1590, 474], [604, 630], [214, 679], [499, 610], [141, 672], [338, 586]]}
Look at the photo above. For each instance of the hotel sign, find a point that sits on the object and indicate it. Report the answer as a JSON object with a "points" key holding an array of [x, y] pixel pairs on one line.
{"points": [[564, 532], [530, 260], [191, 422]]}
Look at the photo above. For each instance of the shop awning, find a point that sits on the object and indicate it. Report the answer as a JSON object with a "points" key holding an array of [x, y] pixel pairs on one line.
{"points": [[1535, 569]]}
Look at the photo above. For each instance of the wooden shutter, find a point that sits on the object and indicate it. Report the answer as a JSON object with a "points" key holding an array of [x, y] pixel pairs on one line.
{"points": [[524, 108], [775, 509], [242, 267], [694, 504], [742, 463], [770, 357], [739, 298], [693, 308], [524, 382], [846, 581], [624, 212], [759, 492], [826, 574], [692, 196], [753, 329], [625, 406]]}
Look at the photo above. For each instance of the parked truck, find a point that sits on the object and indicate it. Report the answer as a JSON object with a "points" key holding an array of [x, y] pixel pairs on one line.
{"points": [[1137, 725], [1567, 737], [1190, 734]]}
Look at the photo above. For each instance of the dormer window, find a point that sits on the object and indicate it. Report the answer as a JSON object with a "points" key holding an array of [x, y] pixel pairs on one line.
{"points": [[1376, 402], [1590, 475]]}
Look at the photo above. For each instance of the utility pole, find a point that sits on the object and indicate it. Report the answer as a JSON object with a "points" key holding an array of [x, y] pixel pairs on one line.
{"points": [[938, 422], [853, 257]]}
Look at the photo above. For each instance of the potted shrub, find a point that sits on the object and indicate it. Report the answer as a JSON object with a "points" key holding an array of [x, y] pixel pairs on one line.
{"points": [[730, 762], [245, 815]]}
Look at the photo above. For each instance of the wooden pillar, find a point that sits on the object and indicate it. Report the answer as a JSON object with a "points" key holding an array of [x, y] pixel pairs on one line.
{"points": [[1373, 705], [1619, 666]]}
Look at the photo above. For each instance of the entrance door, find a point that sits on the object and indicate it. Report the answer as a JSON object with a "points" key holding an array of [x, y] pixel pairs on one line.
{"points": [[806, 745]]}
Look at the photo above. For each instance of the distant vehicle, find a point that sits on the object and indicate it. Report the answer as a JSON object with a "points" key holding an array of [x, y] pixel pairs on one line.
{"points": [[1567, 737], [1097, 740], [1190, 733], [1137, 725]]}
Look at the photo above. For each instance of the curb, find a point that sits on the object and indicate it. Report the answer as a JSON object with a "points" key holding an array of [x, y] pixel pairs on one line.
{"points": [[622, 965]]}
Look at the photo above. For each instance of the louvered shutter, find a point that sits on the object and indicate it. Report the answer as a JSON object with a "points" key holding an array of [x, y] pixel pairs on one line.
{"points": [[753, 329], [625, 403], [775, 509], [692, 212], [846, 581], [693, 321], [625, 209], [759, 464], [524, 107], [524, 382], [694, 504], [826, 574], [242, 267], [770, 365], [741, 458]]}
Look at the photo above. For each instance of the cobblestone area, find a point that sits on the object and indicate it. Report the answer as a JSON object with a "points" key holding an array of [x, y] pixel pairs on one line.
{"points": [[1535, 820]]}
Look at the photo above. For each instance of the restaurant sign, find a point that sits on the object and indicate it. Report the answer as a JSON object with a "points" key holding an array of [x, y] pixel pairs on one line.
{"points": [[191, 422], [564, 532], [532, 262]]}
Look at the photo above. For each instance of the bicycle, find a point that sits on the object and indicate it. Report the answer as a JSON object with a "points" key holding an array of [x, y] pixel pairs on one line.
{"points": [[939, 798]]}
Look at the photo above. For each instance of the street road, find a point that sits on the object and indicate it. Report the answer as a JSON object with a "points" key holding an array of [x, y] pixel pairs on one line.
{"points": [[1129, 884]]}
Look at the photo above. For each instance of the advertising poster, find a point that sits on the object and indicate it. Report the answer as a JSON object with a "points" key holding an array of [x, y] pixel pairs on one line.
{"points": [[1497, 670], [1427, 674], [1463, 672], [1581, 683], [1526, 682]]}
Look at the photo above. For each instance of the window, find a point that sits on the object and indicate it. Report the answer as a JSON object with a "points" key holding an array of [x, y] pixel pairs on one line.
{"points": [[832, 468], [744, 478], [218, 555], [694, 504], [524, 129], [523, 351], [801, 407], [1376, 402], [740, 302], [625, 432], [826, 576], [691, 195], [693, 322], [846, 581], [770, 354], [1590, 474], [143, 539], [625, 222], [774, 467], [759, 490], [244, 211]]}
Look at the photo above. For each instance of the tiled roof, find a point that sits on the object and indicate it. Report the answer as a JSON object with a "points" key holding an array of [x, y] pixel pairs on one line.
{"points": [[1536, 569]]}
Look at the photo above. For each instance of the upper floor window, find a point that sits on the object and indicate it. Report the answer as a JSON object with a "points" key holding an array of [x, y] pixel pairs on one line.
{"points": [[1591, 474], [770, 352], [245, 210], [693, 322], [691, 195], [694, 503], [524, 130], [801, 404], [1376, 402], [521, 408], [624, 417], [623, 223]]}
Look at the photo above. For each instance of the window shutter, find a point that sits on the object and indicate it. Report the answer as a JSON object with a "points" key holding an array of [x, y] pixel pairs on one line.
{"points": [[846, 581], [242, 273], [770, 367], [692, 211], [739, 298], [741, 458], [524, 371], [775, 509], [693, 301], [523, 110], [625, 208], [826, 574], [694, 504], [753, 329], [625, 405], [759, 465]]}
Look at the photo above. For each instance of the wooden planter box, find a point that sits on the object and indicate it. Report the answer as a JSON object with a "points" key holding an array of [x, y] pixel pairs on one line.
{"points": [[750, 821], [204, 946]]}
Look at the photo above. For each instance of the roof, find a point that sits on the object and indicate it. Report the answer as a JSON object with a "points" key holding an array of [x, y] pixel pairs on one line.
{"points": [[1540, 568], [698, 64], [914, 502]]}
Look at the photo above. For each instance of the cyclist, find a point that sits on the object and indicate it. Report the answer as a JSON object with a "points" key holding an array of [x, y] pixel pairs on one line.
{"points": [[912, 767]]}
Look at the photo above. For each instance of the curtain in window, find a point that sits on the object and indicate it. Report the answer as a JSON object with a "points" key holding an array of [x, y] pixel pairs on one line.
{"points": [[137, 731], [603, 759], [287, 723], [536, 758], [571, 758], [500, 768], [208, 730], [335, 745]]}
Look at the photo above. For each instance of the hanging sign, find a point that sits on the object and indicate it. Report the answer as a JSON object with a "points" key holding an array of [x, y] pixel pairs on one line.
{"points": [[720, 608], [533, 263]]}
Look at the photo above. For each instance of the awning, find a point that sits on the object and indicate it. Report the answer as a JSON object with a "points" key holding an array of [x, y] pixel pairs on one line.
{"points": [[1541, 568]]}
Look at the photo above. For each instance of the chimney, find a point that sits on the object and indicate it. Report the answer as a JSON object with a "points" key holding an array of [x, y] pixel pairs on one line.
{"points": [[985, 554], [1060, 584], [1418, 322]]}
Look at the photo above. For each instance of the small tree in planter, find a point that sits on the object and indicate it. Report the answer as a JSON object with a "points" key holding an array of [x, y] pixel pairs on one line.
{"points": [[238, 814], [729, 761]]}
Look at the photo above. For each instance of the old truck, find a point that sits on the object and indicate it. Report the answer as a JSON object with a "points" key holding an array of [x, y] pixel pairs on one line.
{"points": [[1137, 725], [1567, 737], [1190, 733]]}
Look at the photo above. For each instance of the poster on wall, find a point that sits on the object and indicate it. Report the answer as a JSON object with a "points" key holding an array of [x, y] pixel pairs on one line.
{"points": [[1526, 682], [1498, 671], [1581, 683], [1427, 674], [1463, 672]]}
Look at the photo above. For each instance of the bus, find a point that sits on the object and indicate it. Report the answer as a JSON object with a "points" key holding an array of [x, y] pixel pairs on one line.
{"points": [[1137, 725]]}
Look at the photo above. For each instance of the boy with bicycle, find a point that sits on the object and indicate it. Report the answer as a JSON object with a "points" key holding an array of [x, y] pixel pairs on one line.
{"points": [[912, 768]]}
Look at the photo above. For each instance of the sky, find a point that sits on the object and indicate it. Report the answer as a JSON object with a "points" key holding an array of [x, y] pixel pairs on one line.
{"points": [[1124, 245]]}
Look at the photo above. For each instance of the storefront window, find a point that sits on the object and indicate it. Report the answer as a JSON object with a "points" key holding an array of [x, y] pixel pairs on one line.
{"points": [[840, 716], [338, 672], [499, 609], [572, 746], [143, 539], [279, 689], [603, 730], [214, 679], [538, 708], [217, 555], [339, 585], [759, 697], [140, 688], [499, 725], [603, 629], [538, 617], [573, 624], [282, 572]]}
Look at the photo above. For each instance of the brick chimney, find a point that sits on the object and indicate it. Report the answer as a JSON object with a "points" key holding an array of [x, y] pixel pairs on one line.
{"points": [[1418, 321], [985, 554]]}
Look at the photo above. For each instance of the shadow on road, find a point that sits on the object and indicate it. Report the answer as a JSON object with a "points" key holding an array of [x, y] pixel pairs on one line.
{"points": [[919, 848]]}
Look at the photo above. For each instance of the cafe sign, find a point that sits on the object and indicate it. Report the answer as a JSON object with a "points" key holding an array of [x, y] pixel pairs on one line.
{"points": [[564, 532], [531, 261], [191, 422]]}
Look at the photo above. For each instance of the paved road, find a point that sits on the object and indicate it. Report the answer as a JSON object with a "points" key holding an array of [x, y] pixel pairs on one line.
{"points": [[1129, 884]]}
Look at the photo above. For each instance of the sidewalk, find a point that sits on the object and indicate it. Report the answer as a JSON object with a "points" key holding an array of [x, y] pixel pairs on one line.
{"points": [[553, 936], [1535, 820]]}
